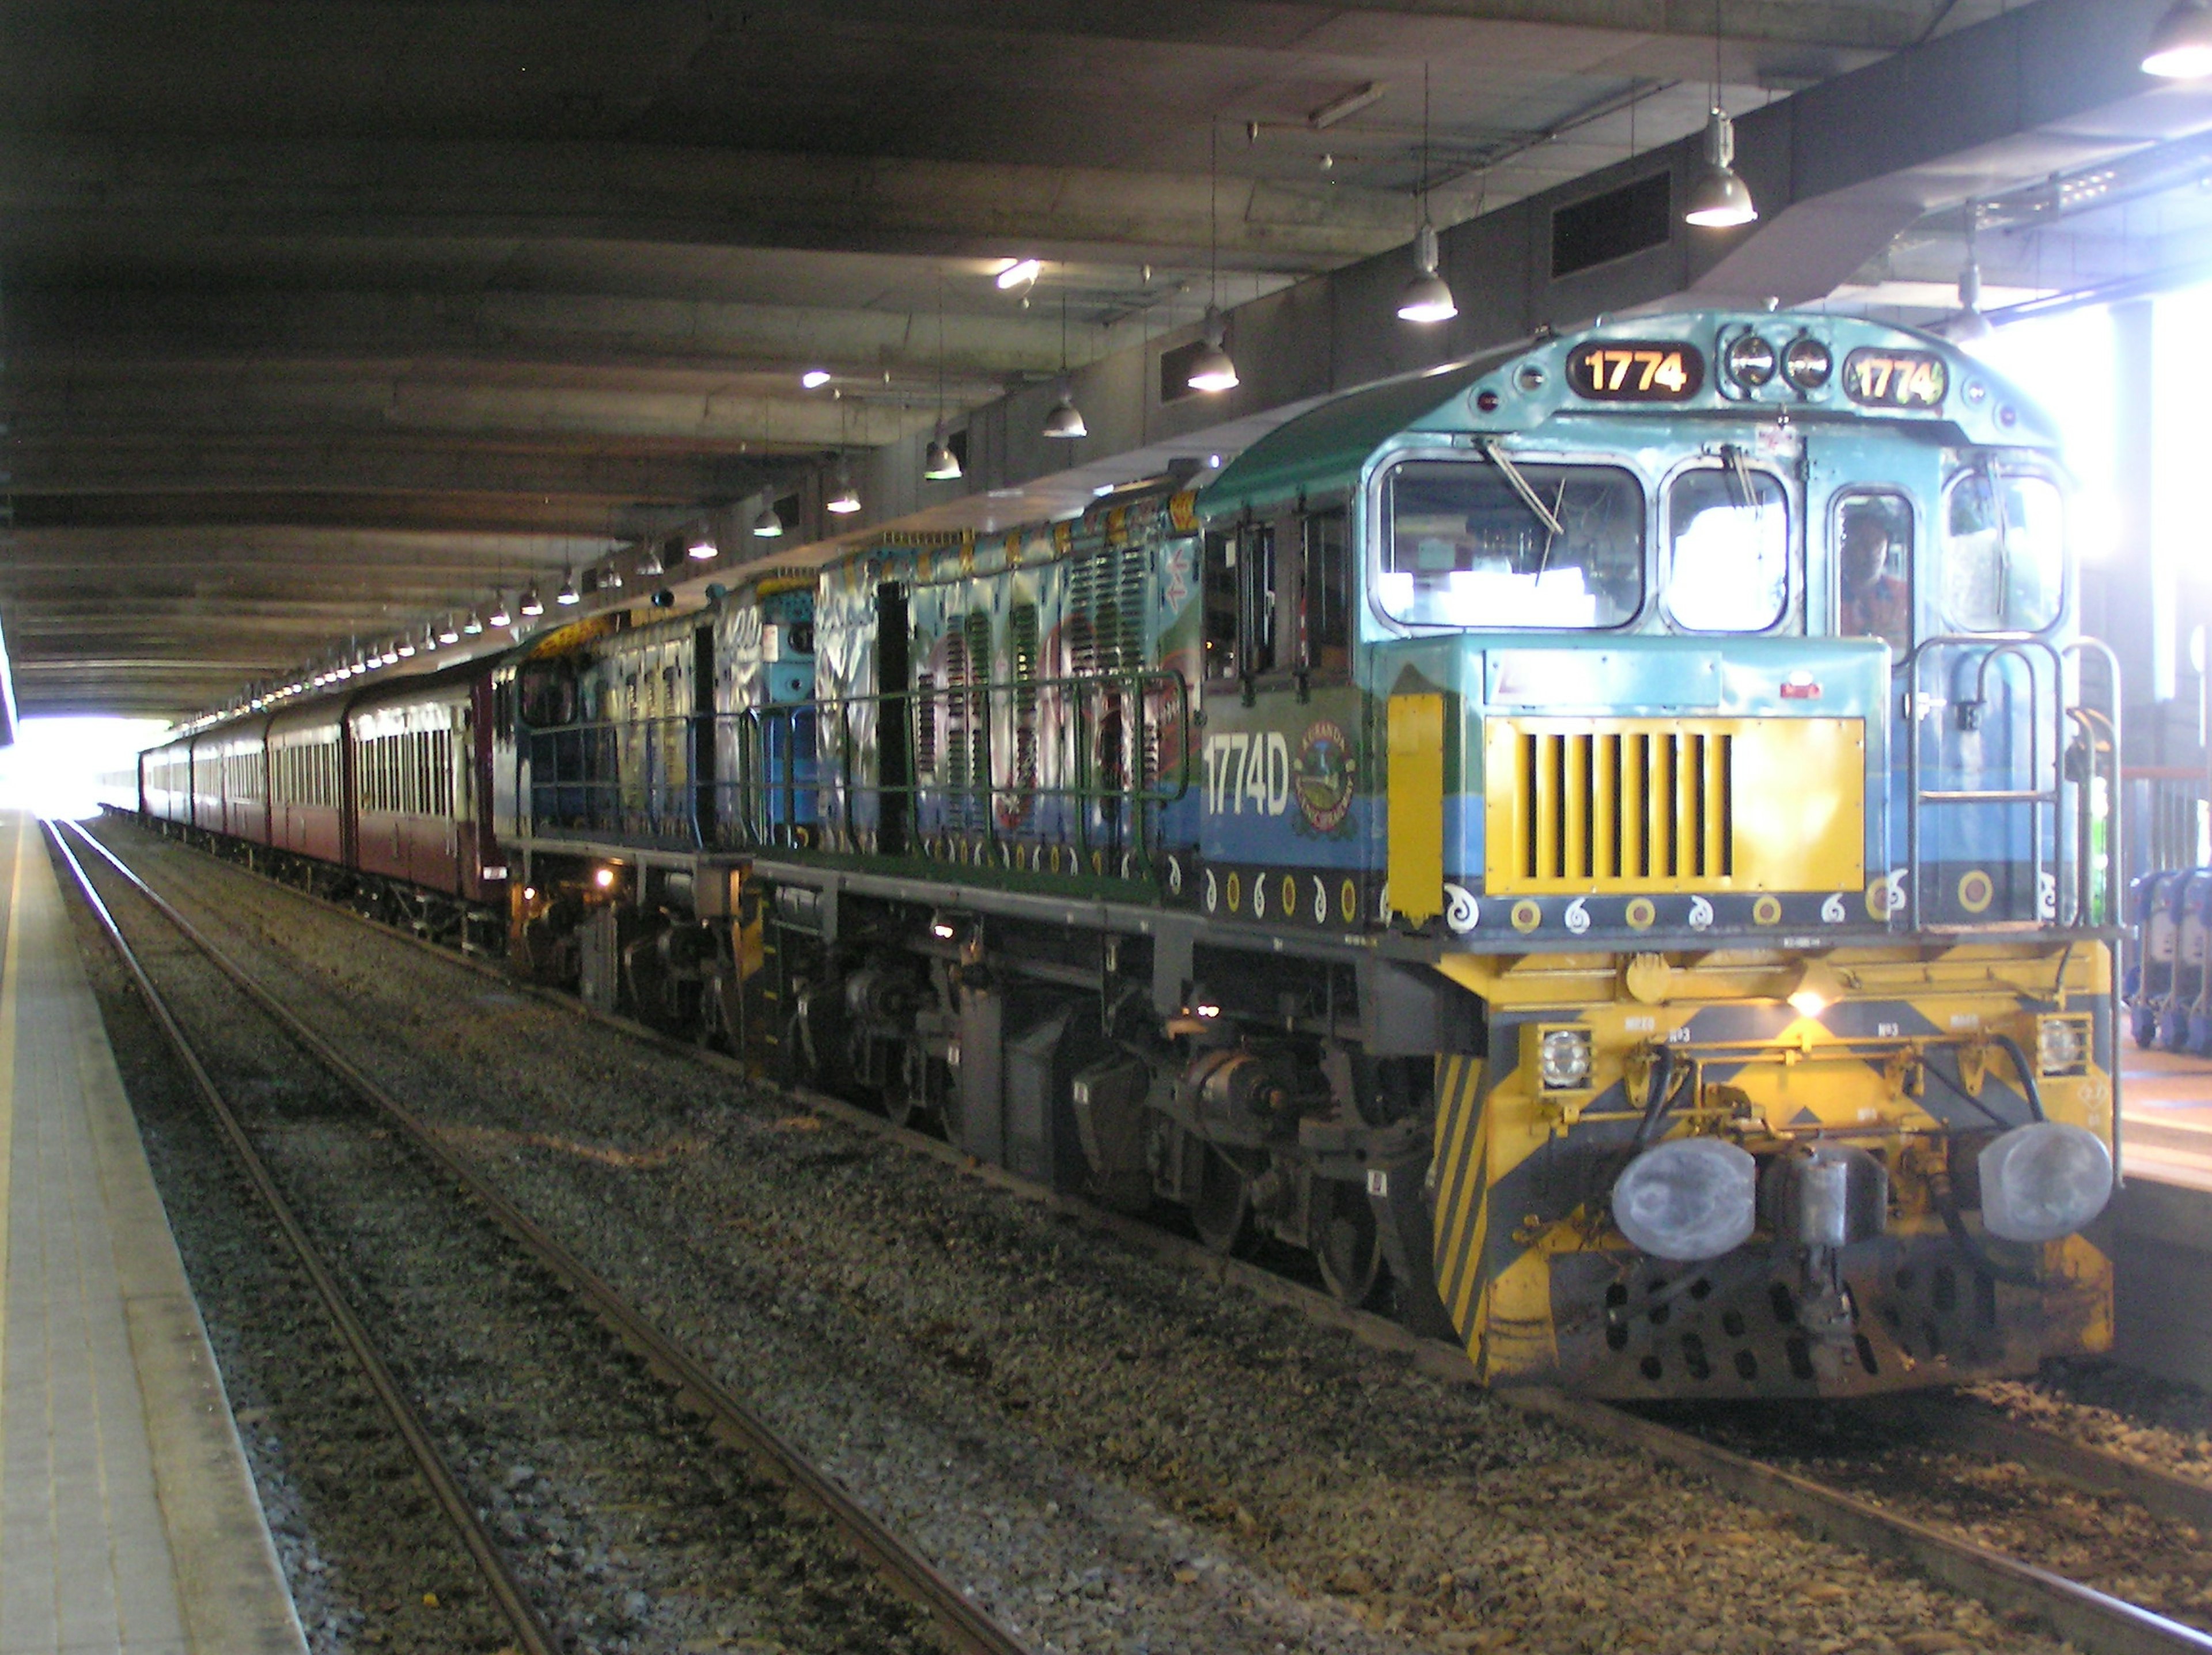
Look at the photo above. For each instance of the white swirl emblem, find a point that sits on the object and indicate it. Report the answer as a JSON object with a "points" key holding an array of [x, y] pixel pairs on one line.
{"points": [[1462, 911], [1213, 893], [1260, 897], [1578, 919], [1320, 901], [1175, 876], [1701, 913], [1833, 910]]}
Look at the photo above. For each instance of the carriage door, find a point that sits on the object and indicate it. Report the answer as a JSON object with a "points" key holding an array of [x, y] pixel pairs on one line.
{"points": [[1987, 834], [1278, 839]]}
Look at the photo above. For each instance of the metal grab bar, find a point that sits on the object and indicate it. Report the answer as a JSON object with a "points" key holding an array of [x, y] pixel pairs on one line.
{"points": [[2056, 853]]}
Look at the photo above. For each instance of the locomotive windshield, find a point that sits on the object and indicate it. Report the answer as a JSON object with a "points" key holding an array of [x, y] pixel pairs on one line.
{"points": [[2004, 539], [1728, 542], [1464, 545]]}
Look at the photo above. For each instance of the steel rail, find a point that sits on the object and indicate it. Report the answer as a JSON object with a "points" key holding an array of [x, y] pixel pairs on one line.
{"points": [[2094, 1469], [530, 1632], [2095, 1621], [905, 1570]]}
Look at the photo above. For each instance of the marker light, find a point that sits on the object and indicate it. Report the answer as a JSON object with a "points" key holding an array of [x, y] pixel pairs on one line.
{"points": [[1818, 989], [1563, 1058], [1750, 360]]}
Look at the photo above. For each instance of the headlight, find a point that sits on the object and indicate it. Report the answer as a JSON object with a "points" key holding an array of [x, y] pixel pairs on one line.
{"points": [[1806, 363], [1750, 360], [2044, 1180], [2062, 1045], [1687, 1199], [1563, 1058]]}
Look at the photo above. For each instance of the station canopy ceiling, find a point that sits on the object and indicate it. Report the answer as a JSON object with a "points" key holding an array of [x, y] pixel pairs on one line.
{"points": [[324, 317]]}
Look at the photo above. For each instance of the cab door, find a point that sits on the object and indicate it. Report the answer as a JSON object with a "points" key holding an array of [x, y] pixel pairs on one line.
{"points": [[1284, 737]]}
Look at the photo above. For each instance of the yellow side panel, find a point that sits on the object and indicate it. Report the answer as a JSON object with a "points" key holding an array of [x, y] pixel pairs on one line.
{"points": [[1612, 805], [1417, 805]]}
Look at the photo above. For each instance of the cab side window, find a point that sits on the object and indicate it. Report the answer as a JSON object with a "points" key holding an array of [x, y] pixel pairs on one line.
{"points": [[1325, 596], [1872, 551]]}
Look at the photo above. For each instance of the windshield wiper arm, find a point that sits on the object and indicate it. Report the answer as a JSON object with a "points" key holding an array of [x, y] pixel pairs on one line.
{"points": [[1522, 486]]}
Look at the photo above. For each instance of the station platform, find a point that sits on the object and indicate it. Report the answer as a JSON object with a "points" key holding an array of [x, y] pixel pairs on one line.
{"points": [[2166, 1104], [128, 1518]]}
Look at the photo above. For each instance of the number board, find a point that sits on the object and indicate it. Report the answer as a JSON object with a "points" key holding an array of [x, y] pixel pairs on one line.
{"points": [[1636, 370], [1895, 379]]}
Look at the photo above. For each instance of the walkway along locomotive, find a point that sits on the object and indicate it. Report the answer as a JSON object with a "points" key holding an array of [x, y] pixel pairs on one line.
{"points": [[1604, 844]]}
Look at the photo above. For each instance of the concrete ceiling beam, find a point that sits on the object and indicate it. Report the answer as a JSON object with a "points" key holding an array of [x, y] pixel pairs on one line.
{"points": [[651, 195]]}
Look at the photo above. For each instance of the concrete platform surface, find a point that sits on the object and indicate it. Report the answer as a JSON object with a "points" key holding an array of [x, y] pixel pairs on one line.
{"points": [[128, 1519], [2166, 1102]]}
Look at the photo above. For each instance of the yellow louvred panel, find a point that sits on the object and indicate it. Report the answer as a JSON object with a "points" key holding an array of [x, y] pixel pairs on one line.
{"points": [[1601, 805], [1416, 873]]}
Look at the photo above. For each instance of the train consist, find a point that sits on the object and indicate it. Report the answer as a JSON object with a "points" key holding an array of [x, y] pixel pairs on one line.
{"points": [[1604, 845]]}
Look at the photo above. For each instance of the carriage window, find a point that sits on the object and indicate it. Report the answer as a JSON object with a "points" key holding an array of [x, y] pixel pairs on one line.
{"points": [[1324, 603], [1728, 530], [2003, 537], [1873, 551], [1464, 547]]}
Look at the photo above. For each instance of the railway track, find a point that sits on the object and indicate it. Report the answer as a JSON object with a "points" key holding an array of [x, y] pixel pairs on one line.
{"points": [[2093, 1620], [959, 1624]]}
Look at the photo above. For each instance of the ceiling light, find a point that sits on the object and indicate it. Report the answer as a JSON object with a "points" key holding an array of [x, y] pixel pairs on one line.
{"points": [[429, 639], [939, 463], [2180, 47], [1015, 271], [611, 579], [768, 526], [1065, 423], [531, 604], [648, 563], [449, 633], [499, 616], [566, 597], [814, 378], [703, 549], [844, 498], [1211, 370], [1721, 200], [475, 623], [1971, 325], [391, 656], [1426, 297], [406, 646]]}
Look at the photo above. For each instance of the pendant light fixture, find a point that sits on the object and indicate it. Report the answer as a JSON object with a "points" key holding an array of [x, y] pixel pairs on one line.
{"points": [[390, 655], [474, 625], [2180, 47], [649, 566], [405, 646], [1970, 323], [610, 576], [1720, 199], [768, 524], [1211, 370], [449, 633], [531, 605], [844, 498], [702, 548], [567, 596], [1427, 298], [1065, 423], [939, 463]]}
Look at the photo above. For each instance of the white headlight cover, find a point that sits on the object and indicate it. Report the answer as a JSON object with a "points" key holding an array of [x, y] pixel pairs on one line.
{"points": [[1687, 1199], [2044, 1180]]}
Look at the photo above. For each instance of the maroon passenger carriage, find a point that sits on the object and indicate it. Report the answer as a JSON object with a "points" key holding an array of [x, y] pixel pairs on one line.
{"points": [[378, 796]]}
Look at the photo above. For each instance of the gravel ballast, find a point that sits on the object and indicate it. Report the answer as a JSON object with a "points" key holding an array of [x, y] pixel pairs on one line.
{"points": [[1109, 1453]]}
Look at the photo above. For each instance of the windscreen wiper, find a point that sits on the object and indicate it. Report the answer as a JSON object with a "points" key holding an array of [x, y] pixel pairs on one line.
{"points": [[1522, 486]]}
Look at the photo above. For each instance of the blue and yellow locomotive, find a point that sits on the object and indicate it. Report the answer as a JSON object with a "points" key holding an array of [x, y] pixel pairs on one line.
{"points": [[1604, 844]]}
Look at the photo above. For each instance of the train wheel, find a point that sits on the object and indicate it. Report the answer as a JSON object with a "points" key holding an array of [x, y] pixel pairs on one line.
{"points": [[1349, 1247], [907, 1101], [1221, 1212]]}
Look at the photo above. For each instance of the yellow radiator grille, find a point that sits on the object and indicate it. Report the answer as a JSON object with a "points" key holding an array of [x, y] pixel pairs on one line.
{"points": [[1651, 804]]}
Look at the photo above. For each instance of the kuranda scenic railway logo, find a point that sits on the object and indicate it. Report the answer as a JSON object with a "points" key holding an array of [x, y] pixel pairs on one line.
{"points": [[1320, 776]]}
